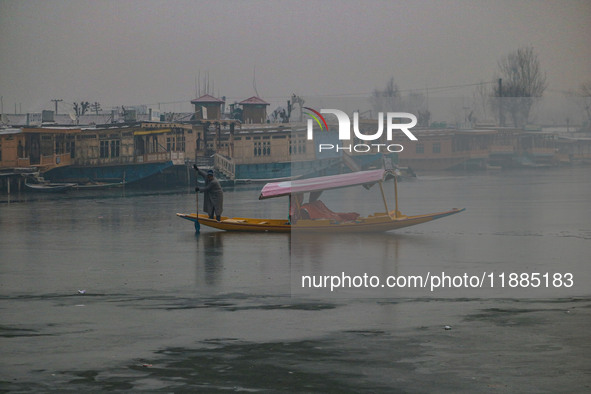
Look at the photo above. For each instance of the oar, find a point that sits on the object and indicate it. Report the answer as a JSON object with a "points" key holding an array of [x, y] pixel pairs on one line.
{"points": [[197, 224]]}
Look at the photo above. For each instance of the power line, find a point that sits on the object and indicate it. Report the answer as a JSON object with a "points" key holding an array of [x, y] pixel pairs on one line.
{"points": [[427, 88], [362, 94], [436, 89]]}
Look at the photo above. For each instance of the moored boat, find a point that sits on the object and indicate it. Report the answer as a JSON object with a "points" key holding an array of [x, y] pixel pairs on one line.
{"points": [[93, 185], [314, 216], [49, 187]]}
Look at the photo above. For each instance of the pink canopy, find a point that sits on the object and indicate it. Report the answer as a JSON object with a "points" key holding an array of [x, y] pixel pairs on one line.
{"points": [[278, 189]]}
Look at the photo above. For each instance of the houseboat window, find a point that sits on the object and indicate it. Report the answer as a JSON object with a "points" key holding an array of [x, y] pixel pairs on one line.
{"points": [[437, 147], [420, 148], [263, 149], [104, 149], [154, 144], [47, 146], [181, 143], [71, 148], [115, 145], [60, 145], [248, 138]]}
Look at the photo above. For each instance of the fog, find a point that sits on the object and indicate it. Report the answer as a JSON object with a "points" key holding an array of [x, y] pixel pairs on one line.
{"points": [[161, 52]]}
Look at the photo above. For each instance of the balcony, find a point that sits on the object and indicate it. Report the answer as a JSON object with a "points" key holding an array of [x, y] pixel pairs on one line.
{"points": [[177, 158]]}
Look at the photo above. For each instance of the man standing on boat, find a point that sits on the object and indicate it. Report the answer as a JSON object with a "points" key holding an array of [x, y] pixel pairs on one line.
{"points": [[213, 195]]}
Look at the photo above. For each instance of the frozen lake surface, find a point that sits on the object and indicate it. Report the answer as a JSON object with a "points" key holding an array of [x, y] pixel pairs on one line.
{"points": [[111, 291]]}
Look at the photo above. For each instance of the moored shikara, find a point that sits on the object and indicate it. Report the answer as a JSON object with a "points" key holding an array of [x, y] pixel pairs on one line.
{"points": [[315, 216], [48, 187]]}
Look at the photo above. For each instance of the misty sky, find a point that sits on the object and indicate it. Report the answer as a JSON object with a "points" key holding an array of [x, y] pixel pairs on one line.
{"points": [[146, 52]]}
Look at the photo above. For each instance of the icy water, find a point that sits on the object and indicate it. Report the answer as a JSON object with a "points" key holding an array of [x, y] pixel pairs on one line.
{"points": [[109, 290]]}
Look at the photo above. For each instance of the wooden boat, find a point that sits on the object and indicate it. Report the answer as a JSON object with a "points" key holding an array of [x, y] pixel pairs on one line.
{"points": [[98, 185], [49, 187], [314, 216]]}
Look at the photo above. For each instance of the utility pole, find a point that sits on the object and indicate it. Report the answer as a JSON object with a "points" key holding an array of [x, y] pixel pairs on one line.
{"points": [[96, 107], [501, 120], [56, 101]]}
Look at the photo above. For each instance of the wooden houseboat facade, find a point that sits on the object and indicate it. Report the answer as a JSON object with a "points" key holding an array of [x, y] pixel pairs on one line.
{"points": [[125, 153]]}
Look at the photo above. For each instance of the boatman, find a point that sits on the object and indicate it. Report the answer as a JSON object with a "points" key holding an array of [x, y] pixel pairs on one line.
{"points": [[213, 195]]}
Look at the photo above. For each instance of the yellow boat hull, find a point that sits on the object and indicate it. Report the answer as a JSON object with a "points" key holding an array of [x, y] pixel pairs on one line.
{"points": [[378, 222]]}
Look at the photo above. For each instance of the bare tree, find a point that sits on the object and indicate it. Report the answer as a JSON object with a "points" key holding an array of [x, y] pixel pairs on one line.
{"points": [[584, 92], [299, 101], [387, 99], [523, 83], [80, 109]]}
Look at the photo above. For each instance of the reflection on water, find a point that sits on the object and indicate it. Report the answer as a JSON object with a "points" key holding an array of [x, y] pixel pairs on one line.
{"points": [[212, 257], [242, 262]]}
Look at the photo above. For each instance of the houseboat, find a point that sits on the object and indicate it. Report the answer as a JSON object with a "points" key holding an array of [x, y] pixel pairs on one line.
{"points": [[29, 151], [124, 153], [574, 149], [246, 149], [444, 149]]}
